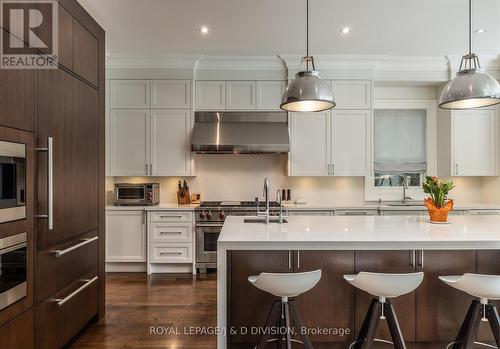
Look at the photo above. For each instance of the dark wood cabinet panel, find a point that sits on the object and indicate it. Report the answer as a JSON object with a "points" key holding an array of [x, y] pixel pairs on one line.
{"points": [[332, 295], [441, 308], [18, 333], [53, 272], [57, 324], [249, 306], [387, 262], [86, 52], [488, 262], [66, 35], [17, 98], [67, 110]]}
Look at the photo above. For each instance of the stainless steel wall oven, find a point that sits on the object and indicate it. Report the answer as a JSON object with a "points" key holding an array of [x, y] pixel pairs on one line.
{"points": [[12, 181], [13, 269]]}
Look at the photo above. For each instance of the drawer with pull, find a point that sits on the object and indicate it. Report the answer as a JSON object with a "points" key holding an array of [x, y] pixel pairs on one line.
{"points": [[171, 253], [170, 216], [61, 316], [60, 265], [170, 232]]}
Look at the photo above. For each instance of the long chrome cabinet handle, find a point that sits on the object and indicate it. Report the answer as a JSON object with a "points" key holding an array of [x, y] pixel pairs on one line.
{"points": [[60, 253], [50, 183], [289, 259], [60, 302], [413, 258], [298, 260], [421, 258]]}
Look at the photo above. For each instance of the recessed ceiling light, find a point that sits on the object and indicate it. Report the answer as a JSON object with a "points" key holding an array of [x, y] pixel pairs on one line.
{"points": [[204, 30], [479, 31], [345, 30]]}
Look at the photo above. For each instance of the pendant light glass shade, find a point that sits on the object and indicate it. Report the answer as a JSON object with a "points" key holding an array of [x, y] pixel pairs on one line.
{"points": [[471, 88], [307, 93]]}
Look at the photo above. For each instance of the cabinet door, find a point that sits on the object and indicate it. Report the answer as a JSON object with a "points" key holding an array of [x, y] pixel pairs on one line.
{"points": [[240, 95], [66, 37], [487, 263], [171, 94], [387, 262], [310, 146], [249, 306], [211, 95], [125, 236], [332, 295], [170, 149], [349, 141], [269, 94], [18, 333], [474, 142], [129, 94], [129, 144], [67, 110], [441, 308], [350, 94], [86, 52], [17, 98]]}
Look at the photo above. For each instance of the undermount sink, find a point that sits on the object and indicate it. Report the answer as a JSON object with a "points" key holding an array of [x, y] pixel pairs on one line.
{"points": [[404, 204], [262, 220]]}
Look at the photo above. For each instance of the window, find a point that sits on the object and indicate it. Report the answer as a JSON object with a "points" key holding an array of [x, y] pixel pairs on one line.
{"points": [[399, 146], [404, 148]]}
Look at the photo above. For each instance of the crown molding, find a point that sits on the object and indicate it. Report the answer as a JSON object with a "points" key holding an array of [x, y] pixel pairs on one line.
{"points": [[159, 61], [219, 62]]}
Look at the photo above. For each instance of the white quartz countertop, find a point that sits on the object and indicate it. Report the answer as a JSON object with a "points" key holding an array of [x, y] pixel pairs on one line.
{"points": [[160, 207], [363, 232]]}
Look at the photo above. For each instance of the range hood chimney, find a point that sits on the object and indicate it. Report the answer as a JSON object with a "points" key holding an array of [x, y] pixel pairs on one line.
{"points": [[240, 133]]}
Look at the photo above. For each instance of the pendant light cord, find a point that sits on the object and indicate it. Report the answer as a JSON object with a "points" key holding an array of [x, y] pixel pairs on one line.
{"points": [[470, 27], [307, 34]]}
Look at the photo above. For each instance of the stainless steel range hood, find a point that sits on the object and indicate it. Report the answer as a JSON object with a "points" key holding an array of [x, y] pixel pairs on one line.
{"points": [[240, 133]]}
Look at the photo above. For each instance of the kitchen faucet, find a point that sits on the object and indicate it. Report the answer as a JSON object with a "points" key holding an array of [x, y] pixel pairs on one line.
{"points": [[279, 198], [265, 213], [405, 187]]}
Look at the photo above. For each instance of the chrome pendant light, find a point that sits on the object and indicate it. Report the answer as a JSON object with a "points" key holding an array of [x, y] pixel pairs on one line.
{"points": [[471, 88], [307, 92]]}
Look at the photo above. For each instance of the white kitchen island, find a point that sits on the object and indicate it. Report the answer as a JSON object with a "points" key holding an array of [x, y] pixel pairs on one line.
{"points": [[353, 233]]}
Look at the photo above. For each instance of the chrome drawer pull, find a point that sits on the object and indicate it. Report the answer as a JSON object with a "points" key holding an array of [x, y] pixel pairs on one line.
{"points": [[60, 253], [171, 216], [171, 232], [170, 253], [88, 282]]}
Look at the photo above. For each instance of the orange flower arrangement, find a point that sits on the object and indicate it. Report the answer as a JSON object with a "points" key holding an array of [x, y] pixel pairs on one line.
{"points": [[438, 204]]}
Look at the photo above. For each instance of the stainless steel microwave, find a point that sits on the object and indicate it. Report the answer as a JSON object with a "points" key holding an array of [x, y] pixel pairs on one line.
{"points": [[12, 181], [143, 194]]}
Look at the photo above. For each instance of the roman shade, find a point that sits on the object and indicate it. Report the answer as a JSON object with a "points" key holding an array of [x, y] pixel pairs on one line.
{"points": [[400, 141]]}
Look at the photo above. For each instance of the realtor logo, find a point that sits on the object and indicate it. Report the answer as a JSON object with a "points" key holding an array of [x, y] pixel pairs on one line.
{"points": [[29, 37]]}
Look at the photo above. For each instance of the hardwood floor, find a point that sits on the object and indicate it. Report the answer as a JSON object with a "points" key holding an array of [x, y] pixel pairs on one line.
{"points": [[138, 306]]}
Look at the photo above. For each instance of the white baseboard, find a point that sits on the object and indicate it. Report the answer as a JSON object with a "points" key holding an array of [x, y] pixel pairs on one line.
{"points": [[126, 267]]}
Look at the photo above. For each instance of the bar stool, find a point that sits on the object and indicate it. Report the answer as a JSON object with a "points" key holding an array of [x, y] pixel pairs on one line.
{"points": [[284, 312], [383, 286], [484, 288]]}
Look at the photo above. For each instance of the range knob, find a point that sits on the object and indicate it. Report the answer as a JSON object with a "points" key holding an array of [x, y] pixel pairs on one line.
{"points": [[202, 215], [222, 215], [209, 215]]}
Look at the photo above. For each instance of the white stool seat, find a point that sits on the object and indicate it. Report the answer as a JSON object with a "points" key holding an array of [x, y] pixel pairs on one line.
{"points": [[386, 285], [477, 285], [286, 284]]}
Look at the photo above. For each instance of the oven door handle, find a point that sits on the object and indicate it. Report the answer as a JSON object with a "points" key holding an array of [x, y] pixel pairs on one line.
{"points": [[50, 183], [13, 248], [208, 225]]}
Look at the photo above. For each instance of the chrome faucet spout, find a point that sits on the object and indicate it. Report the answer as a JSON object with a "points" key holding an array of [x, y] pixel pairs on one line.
{"points": [[267, 212]]}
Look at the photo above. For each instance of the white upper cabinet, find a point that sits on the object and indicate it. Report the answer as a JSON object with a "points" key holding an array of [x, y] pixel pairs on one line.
{"points": [[269, 94], [352, 94], [170, 148], [171, 94], [240, 95], [129, 94], [210, 95], [467, 144], [129, 142], [310, 144], [350, 139]]}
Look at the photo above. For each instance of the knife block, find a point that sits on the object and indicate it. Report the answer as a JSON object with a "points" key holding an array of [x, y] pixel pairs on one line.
{"points": [[183, 197]]}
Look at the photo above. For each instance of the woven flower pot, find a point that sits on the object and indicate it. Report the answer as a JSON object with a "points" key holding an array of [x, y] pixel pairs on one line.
{"points": [[438, 214]]}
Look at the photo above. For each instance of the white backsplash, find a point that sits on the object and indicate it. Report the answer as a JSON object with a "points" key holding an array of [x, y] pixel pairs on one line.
{"points": [[240, 177]]}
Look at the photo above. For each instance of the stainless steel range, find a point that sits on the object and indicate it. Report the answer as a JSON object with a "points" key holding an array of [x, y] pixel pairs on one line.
{"points": [[210, 216]]}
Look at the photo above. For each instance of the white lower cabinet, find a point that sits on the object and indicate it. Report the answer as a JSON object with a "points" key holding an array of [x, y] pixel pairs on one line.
{"points": [[125, 236], [170, 242], [333, 143]]}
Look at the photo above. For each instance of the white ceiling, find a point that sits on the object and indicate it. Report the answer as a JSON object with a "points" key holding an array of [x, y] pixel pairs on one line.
{"points": [[269, 27]]}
